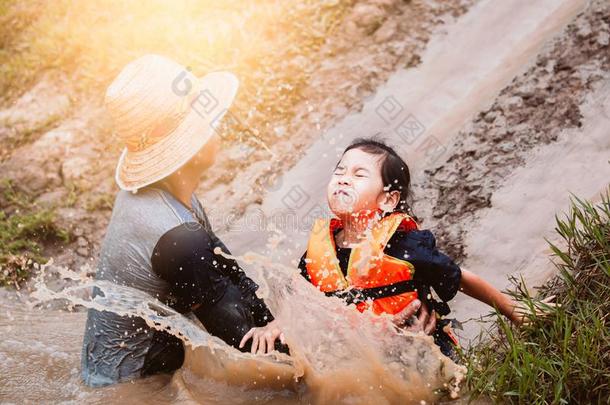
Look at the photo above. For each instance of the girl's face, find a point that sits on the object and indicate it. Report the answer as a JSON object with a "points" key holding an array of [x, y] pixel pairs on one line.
{"points": [[356, 186]]}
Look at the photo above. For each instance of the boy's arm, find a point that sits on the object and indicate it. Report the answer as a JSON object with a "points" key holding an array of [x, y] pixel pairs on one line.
{"points": [[303, 267], [477, 288]]}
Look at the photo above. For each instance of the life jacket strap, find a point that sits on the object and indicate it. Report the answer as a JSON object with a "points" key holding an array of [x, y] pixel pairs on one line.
{"points": [[356, 295]]}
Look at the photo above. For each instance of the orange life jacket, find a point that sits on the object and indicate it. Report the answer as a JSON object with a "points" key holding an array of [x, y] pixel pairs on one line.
{"points": [[369, 269]]}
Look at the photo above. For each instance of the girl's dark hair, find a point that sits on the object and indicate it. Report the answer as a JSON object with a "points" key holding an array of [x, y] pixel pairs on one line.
{"points": [[394, 171]]}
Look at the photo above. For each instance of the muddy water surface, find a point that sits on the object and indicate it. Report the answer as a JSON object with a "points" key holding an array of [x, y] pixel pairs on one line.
{"points": [[337, 354]]}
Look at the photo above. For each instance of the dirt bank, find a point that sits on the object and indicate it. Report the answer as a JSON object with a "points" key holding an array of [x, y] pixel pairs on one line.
{"points": [[532, 111], [58, 150], [376, 39]]}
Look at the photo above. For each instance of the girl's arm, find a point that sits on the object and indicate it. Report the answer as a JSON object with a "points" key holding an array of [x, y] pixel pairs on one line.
{"points": [[477, 288]]}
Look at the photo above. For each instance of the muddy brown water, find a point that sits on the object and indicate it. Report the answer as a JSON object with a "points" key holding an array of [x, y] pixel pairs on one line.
{"points": [[461, 72], [337, 354]]}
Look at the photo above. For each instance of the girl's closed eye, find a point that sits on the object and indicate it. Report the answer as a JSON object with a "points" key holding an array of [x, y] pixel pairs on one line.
{"points": [[339, 170], [362, 173]]}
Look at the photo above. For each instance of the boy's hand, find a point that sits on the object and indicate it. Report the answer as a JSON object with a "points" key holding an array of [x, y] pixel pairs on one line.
{"points": [[424, 322], [263, 338]]}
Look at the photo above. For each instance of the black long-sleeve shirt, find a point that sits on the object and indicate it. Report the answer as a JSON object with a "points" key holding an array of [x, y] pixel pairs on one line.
{"points": [[184, 257]]}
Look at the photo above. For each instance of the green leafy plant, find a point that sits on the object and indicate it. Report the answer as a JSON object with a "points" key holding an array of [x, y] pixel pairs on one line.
{"points": [[563, 357], [23, 226]]}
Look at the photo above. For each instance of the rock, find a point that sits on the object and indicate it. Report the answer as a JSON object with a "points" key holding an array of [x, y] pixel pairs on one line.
{"points": [[52, 198], [526, 90], [386, 32], [351, 29], [535, 101], [603, 38], [35, 168], [520, 129], [56, 142], [583, 29], [74, 168], [82, 251], [367, 17], [385, 4], [82, 242], [500, 122], [45, 103], [490, 116], [506, 147], [548, 65], [512, 103]]}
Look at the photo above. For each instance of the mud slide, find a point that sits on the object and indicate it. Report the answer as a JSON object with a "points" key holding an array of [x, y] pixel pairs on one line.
{"points": [[420, 110], [417, 110], [509, 238]]}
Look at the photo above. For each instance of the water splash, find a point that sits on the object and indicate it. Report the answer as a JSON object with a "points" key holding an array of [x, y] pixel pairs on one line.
{"points": [[338, 354]]}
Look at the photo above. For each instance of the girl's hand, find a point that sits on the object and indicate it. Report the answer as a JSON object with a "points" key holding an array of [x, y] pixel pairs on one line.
{"points": [[524, 313], [263, 338], [424, 322]]}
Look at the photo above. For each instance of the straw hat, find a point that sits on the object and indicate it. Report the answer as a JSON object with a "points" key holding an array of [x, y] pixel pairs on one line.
{"points": [[164, 115]]}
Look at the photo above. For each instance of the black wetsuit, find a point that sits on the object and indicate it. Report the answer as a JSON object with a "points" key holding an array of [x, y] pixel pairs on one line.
{"points": [[215, 288], [433, 269], [156, 245]]}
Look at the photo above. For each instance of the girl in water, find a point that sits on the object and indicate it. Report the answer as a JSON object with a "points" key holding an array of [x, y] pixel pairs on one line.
{"points": [[373, 254]]}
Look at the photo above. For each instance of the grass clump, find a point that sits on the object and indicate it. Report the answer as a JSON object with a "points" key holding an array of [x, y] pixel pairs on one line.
{"points": [[563, 357], [100, 202], [23, 227]]}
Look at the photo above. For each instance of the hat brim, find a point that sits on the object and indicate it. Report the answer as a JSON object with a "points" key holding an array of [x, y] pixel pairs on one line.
{"points": [[139, 169]]}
